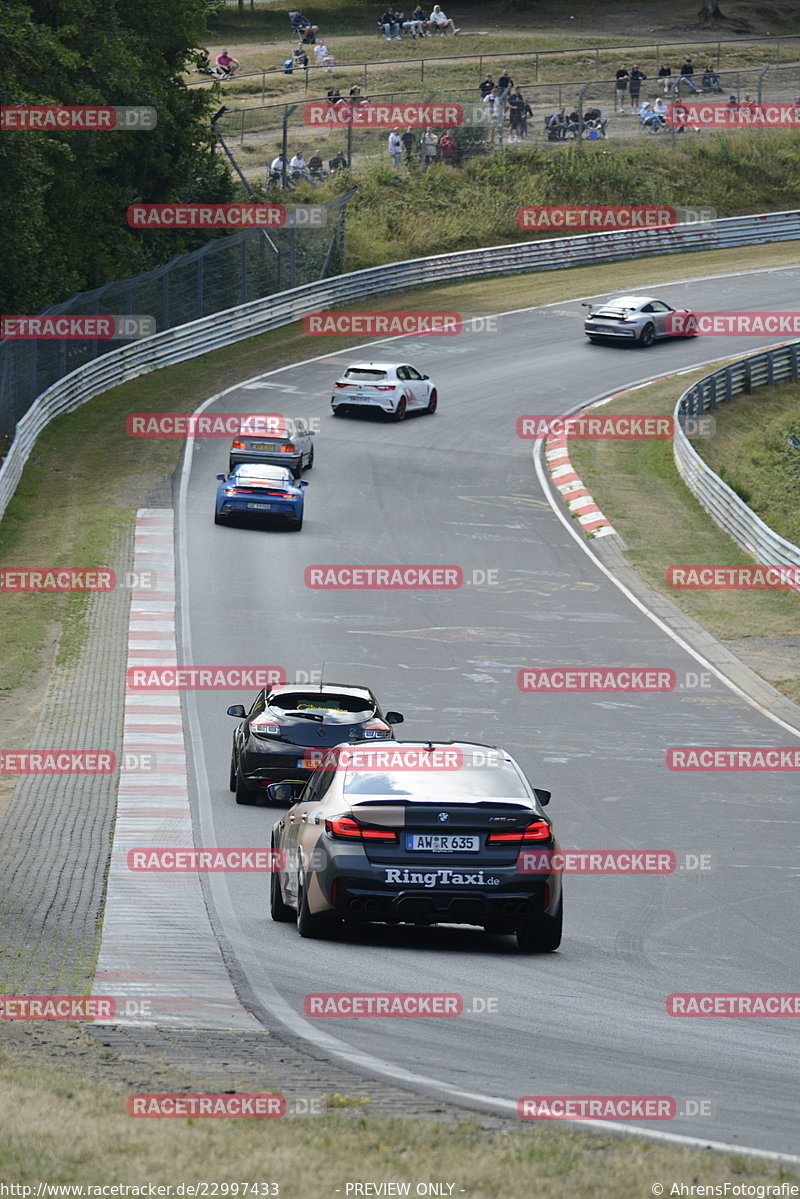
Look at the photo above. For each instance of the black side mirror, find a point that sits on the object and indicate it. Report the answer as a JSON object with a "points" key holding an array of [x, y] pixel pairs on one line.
{"points": [[237, 710], [542, 796], [394, 717], [222, 478], [287, 792]]}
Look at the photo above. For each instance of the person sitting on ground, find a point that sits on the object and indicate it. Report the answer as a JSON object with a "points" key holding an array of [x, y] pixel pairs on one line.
{"points": [[711, 80], [315, 165], [687, 71], [665, 74], [277, 166], [297, 165], [441, 22], [390, 24], [420, 18], [486, 86], [556, 125], [301, 58], [574, 123], [323, 56], [339, 163], [334, 96], [303, 27], [203, 65], [355, 96], [226, 64]]}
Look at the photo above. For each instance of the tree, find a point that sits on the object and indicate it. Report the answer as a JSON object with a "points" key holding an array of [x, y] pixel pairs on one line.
{"points": [[710, 11]]}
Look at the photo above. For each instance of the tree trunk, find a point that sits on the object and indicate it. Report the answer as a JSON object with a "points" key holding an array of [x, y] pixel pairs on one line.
{"points": [[710, 11]]}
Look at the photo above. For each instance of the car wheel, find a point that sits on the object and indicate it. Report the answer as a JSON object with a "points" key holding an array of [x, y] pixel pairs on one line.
{"points": [[243, 793], [310, 462], [232, 775], [316, 926], [296, 524], [280, 912], [219, 520], [541, 934], [338, 411], [400, 412], [647, 336], [432, 402], [298, 470], [594, 340]]}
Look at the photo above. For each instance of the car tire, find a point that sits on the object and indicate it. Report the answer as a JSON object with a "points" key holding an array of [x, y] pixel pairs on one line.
{"points": [[219, 520], [243, 793], [542, 934], [400, 411], [232, 775], [298, 470], [296, 524], [432, 402], [647, 336], [315, 926], [310, 462], [594, 340], [337, 411], [280, 912]]}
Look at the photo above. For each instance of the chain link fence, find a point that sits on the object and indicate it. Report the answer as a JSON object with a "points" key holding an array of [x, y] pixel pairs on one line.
{"points": [[222, 274]]}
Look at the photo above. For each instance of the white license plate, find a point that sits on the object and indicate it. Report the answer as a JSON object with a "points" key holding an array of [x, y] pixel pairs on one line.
{"points": [[442, 843], [261, 507]]}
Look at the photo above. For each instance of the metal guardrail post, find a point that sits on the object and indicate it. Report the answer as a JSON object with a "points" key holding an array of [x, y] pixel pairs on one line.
{"points": [[761, 83]]}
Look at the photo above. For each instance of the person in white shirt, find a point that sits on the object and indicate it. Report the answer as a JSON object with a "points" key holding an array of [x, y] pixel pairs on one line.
{"points": [[297, 166], [276, 167], [323, 56], [440, 21], [395, 148]]}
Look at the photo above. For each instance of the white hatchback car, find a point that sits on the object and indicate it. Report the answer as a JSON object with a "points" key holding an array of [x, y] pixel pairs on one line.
{"points": [[393, 388]]}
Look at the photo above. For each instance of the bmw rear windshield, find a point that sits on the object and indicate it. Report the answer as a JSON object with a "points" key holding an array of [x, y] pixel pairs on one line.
{"points": [[439, 786]]}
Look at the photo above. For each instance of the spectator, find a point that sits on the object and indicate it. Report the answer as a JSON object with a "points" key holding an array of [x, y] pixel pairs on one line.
{"points": [[315, 165], [665, 74], [297, 165], [687, 71], [203, 65], [323, 56], [334, 96], [505, 83], [226, 64], [303, 27], [407, 139], [278, 166], [356, 97], [487, 86], [339, 163], [648, 116], [621, 88], [440, 21], [415, 24], [390, 23], [518, 112], [419, 18], [711, 80], [574, 123], [447, 148], [429, 146], [660, 109], [635, 83], [395, 148], [557, 125], [732, 103], [498, 108], [301, 58]]}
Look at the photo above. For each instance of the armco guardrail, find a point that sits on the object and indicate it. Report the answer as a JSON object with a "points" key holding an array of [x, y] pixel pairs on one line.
{"points": [[246, 320], [722, 503]]}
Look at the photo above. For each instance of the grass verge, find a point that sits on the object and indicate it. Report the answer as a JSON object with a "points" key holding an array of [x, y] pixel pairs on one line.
{"points": [[57, 1129], [639, 489]]}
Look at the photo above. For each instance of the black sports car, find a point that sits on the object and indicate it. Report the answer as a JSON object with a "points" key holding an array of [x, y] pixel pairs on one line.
{"points": [[283, 734], [418, 833]]}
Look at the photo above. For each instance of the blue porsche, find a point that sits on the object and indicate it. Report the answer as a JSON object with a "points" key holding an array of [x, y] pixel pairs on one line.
{"points": [[255, 490]]}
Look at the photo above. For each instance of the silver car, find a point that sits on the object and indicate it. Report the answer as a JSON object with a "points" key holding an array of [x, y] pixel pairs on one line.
{"points": [[637, 320], [292, 447], [390, 387]]}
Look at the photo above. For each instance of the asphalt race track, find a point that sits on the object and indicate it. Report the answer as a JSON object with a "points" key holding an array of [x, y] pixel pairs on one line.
{"points": [[460, 488]]}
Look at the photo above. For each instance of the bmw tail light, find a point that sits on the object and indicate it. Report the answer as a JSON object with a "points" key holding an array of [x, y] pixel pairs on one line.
{"points": [[346, 828], [373, 731], [539, 830], [239, 445], [288, 448]]}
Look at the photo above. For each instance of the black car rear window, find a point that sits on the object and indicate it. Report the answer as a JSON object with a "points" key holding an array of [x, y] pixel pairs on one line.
{"points": [[485, 782], [300, 701]]}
